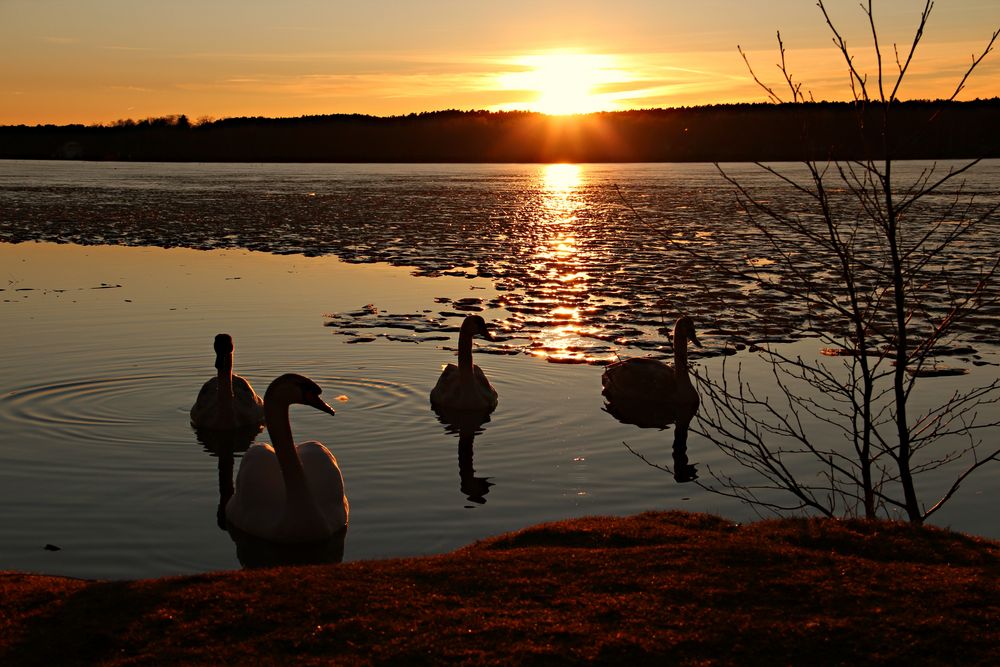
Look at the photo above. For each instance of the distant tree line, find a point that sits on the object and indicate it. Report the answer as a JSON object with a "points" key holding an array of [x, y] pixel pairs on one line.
{"points": [[722, 133]]}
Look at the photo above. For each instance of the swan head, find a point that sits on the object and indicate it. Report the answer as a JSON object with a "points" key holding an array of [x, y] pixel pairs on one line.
{"points": [[475, 324], [684, 330], [293, 388], [223, 351]]}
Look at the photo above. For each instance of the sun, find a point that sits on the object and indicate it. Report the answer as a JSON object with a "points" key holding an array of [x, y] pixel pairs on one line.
{"points": [[564, 83]]}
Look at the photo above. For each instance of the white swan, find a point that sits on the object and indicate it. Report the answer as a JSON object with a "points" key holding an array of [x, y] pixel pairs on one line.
{"points": [[289, 493], [641, 384], [227, 401], [465, 386]]}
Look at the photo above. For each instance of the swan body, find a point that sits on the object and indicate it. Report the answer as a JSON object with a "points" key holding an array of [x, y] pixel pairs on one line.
{"points": [[465, 386], [289, 493], [227, 401], [639, 383]]}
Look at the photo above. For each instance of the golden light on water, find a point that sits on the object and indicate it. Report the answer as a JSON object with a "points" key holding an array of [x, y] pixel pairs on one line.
{"points": [[559, 185], [560, 179], [563, 246], [566, 313], [564, 284]]}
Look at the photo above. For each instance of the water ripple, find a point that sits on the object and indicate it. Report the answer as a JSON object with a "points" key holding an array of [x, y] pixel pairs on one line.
{"points": [[84, 402], [366, 394]]}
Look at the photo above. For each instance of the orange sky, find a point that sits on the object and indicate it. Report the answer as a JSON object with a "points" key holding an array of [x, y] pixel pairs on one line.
{"points": [[96, 61]]}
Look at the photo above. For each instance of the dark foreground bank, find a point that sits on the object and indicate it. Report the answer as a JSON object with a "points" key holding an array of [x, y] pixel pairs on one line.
{"points": [[657, 588]]}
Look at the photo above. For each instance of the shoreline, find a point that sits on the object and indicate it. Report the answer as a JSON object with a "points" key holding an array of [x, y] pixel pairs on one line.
{"points": [[677, 587]]}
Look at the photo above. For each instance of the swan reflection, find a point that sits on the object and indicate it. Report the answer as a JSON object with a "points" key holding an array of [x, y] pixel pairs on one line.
{"points": [[224, 445], [650, 414], [254, 552], [467, 424]]}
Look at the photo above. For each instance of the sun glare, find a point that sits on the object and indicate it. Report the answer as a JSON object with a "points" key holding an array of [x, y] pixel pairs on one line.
{"points": [[561, 178], [565, 83]]}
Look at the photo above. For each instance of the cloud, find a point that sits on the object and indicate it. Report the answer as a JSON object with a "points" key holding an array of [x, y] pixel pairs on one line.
{"points": [[129, 89], [115, 47], [383, 85]]}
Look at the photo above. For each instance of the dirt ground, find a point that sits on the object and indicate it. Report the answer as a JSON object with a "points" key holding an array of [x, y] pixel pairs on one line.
{"points": [[655, 588]]}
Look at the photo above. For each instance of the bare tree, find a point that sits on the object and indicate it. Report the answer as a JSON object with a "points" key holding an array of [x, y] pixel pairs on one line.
{"points": [[890, 275]]}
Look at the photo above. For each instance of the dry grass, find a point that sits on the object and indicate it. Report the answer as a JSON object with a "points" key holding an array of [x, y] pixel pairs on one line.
{"points": [[657, 588]]}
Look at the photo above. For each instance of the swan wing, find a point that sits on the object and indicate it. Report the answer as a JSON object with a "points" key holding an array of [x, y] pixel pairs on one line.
{"points": [[258, 501], [247, 405], [326, 483], [204, 408], [639, 378], [446, 384], [485, 388], [452, 393]]}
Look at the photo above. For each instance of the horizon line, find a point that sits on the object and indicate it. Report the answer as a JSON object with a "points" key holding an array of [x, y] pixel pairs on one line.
{"points": [[173, 118]]}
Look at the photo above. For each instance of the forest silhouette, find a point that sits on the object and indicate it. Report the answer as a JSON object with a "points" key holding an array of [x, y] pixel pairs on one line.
{"points": [[722, 133]]}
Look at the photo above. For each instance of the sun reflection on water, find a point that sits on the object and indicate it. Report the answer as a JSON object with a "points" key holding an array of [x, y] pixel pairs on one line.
{"points": [[557, 260], [561, 279], [561, 179]]}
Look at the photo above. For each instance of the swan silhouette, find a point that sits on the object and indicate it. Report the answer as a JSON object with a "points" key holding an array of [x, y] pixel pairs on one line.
{"points": [[288, 493], [227, 401], [465, 386], [648, 392]]}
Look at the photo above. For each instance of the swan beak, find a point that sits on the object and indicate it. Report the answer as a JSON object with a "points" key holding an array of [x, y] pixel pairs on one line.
{"points": [[485, 333], [694, 339], [318, 403]]}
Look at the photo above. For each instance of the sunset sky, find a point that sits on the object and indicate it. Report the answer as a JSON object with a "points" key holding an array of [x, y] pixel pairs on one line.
{"points": [[96, 61]]}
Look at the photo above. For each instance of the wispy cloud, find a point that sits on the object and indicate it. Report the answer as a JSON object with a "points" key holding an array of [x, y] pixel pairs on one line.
{"points": [[117, 47], [371, 85], [129, 89]]}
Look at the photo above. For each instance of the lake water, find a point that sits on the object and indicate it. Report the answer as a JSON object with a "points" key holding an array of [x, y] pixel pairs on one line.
{"points": [[116, 277]]}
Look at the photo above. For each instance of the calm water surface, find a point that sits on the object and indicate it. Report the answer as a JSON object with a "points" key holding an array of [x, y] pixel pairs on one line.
{"points": [[105, 347]]}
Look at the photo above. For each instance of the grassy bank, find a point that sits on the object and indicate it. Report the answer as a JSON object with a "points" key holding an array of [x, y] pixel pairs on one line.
{"points": [[669, 588]]}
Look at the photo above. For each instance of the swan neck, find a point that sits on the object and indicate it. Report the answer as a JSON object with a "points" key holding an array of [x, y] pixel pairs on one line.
{"points": [[225, 375], [224, 387], [224, 361], [465, 351], [681, 359], [280, 429]]}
